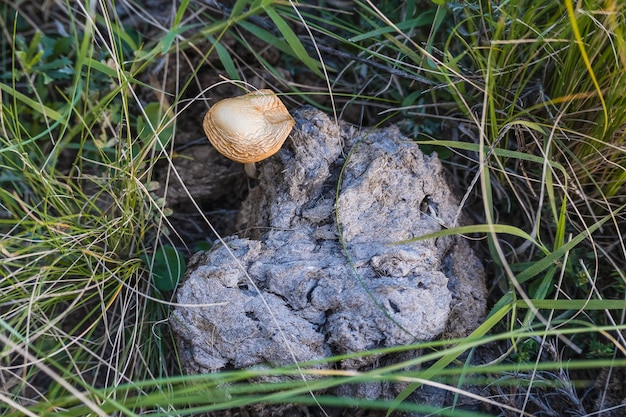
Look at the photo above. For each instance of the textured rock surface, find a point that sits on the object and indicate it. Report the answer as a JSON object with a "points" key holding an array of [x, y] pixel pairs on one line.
{"points": [[298, 287]]}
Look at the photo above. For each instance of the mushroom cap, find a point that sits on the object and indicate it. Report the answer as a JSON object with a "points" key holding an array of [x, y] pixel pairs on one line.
{"points": [[248, 128]]}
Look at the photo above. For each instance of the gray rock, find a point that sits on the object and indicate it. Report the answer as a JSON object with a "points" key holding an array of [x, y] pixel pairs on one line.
{"points": [[319, 272]]}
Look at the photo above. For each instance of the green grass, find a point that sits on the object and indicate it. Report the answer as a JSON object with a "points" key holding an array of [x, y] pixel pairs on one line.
{"points": [[525, 102]]}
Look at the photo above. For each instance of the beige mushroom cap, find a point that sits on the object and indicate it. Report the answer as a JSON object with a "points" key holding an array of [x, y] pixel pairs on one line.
{"points": [[248, 128]]}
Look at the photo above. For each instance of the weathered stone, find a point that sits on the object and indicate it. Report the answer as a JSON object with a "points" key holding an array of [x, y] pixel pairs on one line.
{"points": [[321, 272]]}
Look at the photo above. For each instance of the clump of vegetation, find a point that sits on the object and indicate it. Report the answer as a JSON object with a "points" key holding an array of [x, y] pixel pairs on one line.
{"points": [[80, 310], [525, 103]]}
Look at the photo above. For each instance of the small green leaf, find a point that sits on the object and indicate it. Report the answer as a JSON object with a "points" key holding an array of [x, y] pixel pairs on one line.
{"points": [[268, 37], [180, 12], [33, 104], [293, 41], [169, 38], [238, 8], [157, 121], [226, 59], [202, 246], [167, 267], [423, 19]]}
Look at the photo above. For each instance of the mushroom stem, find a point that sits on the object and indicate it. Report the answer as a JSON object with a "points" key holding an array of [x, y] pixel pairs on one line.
{"points": [[251, 170]]}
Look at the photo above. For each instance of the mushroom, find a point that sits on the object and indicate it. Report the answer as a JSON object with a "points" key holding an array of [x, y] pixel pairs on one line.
{"points": [[248, 128]]}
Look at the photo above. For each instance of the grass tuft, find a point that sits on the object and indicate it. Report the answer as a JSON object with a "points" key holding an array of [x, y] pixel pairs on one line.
{"points": [[524, 101]]}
